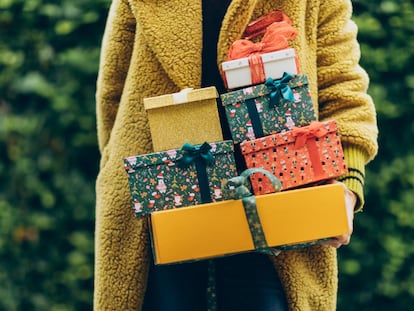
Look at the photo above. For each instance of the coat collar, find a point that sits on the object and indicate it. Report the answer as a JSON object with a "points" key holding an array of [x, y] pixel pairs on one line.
{"points": [[173, 30]]}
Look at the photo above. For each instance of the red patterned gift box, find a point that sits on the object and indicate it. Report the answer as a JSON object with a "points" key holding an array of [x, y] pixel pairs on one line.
{"points": [[302, 156]]}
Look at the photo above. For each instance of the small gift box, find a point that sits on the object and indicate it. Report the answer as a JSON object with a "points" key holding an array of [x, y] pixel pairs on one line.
{"points": [[269, 108], [179, 177], [250, 63], [298, 157], [255, 69], [187, 116], [224, 228]]}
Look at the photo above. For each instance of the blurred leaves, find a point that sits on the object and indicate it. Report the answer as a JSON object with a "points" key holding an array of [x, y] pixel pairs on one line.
{"points": [[376, 271], [49, 158]]}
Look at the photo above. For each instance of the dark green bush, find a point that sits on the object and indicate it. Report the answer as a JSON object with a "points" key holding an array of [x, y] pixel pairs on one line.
{"points": [[49, 159]]}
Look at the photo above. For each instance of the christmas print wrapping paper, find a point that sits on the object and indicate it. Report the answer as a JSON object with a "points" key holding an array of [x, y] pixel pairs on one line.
{"points": [[269, 108], [187, 234], [301, 156], [187, 116], [179, 177]]}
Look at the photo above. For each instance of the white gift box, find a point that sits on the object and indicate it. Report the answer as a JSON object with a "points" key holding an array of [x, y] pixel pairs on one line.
{"points": [[237, 73]]}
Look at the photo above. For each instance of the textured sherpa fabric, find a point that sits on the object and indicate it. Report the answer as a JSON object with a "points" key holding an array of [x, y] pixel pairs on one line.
{"points": [[153, 47]]}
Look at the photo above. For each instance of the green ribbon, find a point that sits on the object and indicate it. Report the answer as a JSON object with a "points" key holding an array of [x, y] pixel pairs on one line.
{"points": [[192, 153], [238, 188], [280, 89], [202, 157]]}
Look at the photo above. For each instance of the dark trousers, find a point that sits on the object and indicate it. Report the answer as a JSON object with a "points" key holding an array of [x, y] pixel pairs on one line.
{"points": [[245, 282]]}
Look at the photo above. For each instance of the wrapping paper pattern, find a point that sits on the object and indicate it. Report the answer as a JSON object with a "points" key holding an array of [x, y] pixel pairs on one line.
{"points": [[272, 118], [298, 157], [157, 181]]}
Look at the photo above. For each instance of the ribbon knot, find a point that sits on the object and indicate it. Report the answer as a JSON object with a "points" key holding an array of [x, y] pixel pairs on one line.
{"points": [[280, 89], [192, 153], [239, 188], [302, 134]]}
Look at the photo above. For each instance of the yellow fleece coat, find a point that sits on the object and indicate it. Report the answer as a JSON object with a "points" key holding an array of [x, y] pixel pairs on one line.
{"points": [[153, 47]]}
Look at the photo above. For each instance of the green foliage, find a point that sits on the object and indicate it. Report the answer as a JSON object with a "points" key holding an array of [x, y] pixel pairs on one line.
{"points": [[376, 270], [49, 157]]}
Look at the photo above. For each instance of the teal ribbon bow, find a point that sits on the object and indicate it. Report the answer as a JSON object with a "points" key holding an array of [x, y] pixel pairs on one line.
{"points": [[280, 89], [238, 188], [192, 153]]}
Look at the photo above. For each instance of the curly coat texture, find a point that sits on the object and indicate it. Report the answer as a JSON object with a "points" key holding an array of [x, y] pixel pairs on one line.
{"points": [[153, 47]]}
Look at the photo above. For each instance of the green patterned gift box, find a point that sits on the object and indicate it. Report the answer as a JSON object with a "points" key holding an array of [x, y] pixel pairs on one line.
{"points": [[179, 177], [269, 108]]}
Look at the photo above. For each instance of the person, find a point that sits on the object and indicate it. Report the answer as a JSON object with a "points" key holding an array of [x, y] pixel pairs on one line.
{"points": [[153, 47]]}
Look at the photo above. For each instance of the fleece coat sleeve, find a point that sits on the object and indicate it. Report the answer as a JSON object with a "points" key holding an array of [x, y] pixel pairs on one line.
{"points": [[343, 91]]}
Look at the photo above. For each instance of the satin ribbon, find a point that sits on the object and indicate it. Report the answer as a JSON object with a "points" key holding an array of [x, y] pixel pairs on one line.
{"points": [[238, 188], [280, 89], [258, 26], [191, 153], [202, 157], [305, 136]]}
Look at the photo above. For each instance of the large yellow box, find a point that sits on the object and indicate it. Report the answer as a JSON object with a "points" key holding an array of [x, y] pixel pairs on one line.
{"points": [[221, 228], [188, 116]]}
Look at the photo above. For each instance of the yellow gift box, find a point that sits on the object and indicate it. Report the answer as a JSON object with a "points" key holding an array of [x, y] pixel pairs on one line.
{"points": [[190, 116], [221, 228]]}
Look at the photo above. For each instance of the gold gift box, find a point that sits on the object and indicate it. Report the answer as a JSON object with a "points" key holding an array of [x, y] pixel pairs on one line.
{"points": [[221, 228], [188, 116]]}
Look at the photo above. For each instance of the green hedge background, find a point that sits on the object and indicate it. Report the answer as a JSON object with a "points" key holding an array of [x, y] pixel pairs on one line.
{"points": [[49, 159]]}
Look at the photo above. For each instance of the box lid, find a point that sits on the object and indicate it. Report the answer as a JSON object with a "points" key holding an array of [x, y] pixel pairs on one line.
{"points": [[278, 55], [184, 96], [169, 157], [235, 64], [259, 90], [266, 57], [283, 138]]}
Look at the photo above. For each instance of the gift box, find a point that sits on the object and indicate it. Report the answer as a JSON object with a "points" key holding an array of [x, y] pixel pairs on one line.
{"points": [[179, 177], [269, 108], [252, 62], [187, 116], [298, 157], [222, 228], [256, 69]]}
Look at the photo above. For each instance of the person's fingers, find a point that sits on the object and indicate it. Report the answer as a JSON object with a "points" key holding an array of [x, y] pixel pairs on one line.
{"points": [[338, 241]]}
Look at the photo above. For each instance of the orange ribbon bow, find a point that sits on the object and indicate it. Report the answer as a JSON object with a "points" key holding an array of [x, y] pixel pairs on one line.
{"points": [[258, 26], [302, 134], [304, 137]]}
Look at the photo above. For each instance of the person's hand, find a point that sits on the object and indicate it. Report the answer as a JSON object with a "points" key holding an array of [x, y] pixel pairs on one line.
{"points": [[350, 201]]}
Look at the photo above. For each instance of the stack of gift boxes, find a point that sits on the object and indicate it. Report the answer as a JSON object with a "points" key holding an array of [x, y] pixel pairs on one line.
{"points": [[272, 118]]}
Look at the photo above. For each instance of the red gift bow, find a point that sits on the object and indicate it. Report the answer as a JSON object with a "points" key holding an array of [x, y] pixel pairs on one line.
{"points": [[304, 136], [274, 39], [258, 26]]}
